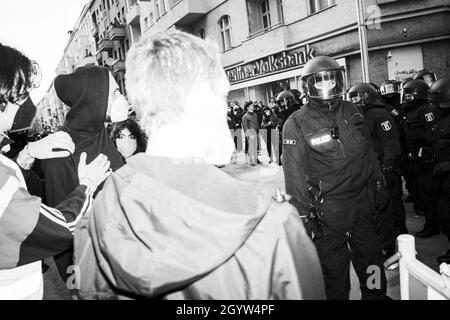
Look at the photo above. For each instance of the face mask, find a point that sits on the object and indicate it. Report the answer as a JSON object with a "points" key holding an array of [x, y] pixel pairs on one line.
{"points": [[126, 147], [119, 108]]}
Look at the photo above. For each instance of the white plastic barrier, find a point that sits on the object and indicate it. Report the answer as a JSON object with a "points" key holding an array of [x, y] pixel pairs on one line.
{"points": [[417, 281]]}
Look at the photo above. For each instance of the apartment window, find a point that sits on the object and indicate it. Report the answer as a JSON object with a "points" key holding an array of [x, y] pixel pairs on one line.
{"points": [[225, 32], [261, 16], [265, 13], [146, 21], [157, 9], [163, 7], [151, 17], [317, 5]]}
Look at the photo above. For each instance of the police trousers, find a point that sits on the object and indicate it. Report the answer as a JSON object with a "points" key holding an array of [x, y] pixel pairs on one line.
{"points": [[350, 235], [428, 187], [394, 185], [443, 206]]}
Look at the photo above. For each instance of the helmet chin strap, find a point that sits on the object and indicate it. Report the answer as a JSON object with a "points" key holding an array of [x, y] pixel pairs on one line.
{"points": [[329, 104]]}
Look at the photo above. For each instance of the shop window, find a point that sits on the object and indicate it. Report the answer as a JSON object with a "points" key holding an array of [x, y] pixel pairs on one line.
{"points": [[225, 32], [317, 5], [262, 15]]}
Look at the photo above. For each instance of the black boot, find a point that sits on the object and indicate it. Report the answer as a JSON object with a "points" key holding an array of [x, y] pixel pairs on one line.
{"points": [[427, 232], [444, 259]]}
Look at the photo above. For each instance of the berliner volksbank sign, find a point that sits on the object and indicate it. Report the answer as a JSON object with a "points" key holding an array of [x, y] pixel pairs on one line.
{"points": [[274, 63]]}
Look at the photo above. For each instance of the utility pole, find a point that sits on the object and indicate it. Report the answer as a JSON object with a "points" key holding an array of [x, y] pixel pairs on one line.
{"points": [[363, 41]]}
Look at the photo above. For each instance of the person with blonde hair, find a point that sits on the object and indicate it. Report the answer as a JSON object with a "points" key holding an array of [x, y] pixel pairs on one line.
{"points": [[169, 224]]}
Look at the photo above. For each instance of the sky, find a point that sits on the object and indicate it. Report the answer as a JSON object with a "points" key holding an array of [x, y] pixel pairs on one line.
{"points": [[39, 28]]}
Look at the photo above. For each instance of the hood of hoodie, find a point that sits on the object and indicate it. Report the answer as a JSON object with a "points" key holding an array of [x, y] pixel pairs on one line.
{"points": [[181, 220], [85, 92]]}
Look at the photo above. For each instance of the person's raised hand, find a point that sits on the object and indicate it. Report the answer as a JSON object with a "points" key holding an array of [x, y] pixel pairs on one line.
{"points": [[55, 145], [94, 173]]}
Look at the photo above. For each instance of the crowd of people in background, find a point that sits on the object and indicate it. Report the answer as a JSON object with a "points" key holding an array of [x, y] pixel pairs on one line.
{"points": [[254, 123]]}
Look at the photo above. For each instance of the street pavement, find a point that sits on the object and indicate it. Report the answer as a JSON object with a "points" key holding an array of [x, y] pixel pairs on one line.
{"points": [[271, 176]]}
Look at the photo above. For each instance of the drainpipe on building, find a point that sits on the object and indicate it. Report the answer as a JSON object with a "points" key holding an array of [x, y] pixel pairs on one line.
{"points": [[363, 41]]}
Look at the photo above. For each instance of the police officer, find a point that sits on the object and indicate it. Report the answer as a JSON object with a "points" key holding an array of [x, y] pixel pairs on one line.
{"points": [[439, 95], [385, 139], [390, 91], [427, 76], [328, 157], [417, 120]]}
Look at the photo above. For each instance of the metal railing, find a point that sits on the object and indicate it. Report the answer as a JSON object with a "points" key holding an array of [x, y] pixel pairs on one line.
{"points": [[418, 281]]}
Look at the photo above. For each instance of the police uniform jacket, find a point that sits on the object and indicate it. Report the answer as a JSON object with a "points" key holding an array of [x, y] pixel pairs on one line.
{"points": [[328, 149], [384, 135]]}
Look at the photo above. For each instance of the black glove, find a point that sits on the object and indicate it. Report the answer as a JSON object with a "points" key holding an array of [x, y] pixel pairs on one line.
{"points": [[441, 168]]}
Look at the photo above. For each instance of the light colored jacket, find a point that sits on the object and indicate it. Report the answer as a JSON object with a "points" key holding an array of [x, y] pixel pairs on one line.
{"points": [[161, 229]]}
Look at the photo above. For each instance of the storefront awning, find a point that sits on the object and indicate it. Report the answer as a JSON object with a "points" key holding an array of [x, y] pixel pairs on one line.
{"points": [[274, 77]]}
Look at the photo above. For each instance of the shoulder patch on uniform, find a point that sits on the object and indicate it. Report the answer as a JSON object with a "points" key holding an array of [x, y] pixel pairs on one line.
{"points": [[289, 142], [386, 126], [429, 117]]}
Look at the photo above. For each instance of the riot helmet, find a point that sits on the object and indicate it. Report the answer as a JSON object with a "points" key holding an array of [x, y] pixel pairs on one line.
{"points": [[427, 76], [405, 81], [414, 90], [323, 79], [439, 93], [389, 88], [364, 94]]}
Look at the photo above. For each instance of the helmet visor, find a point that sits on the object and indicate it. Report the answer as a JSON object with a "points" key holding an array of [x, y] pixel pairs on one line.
{"points": [[358, 98], [429, 79], [325, 85], [388, 88]]}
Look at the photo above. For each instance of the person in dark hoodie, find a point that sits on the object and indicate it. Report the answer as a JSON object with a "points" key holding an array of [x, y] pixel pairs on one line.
{"points": [[93, 97], [169, 224]]}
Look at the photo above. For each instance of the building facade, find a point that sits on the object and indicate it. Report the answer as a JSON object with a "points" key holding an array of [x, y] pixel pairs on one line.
{"points": [[265, 43], [50, 111], [111, 36]]}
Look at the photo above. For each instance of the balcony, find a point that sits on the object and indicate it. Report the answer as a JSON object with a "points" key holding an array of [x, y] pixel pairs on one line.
{"points": [[105, 45], [183, 12], [117, 32], [134, 14], [99, 56], [118, 65], [94, 31]]}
